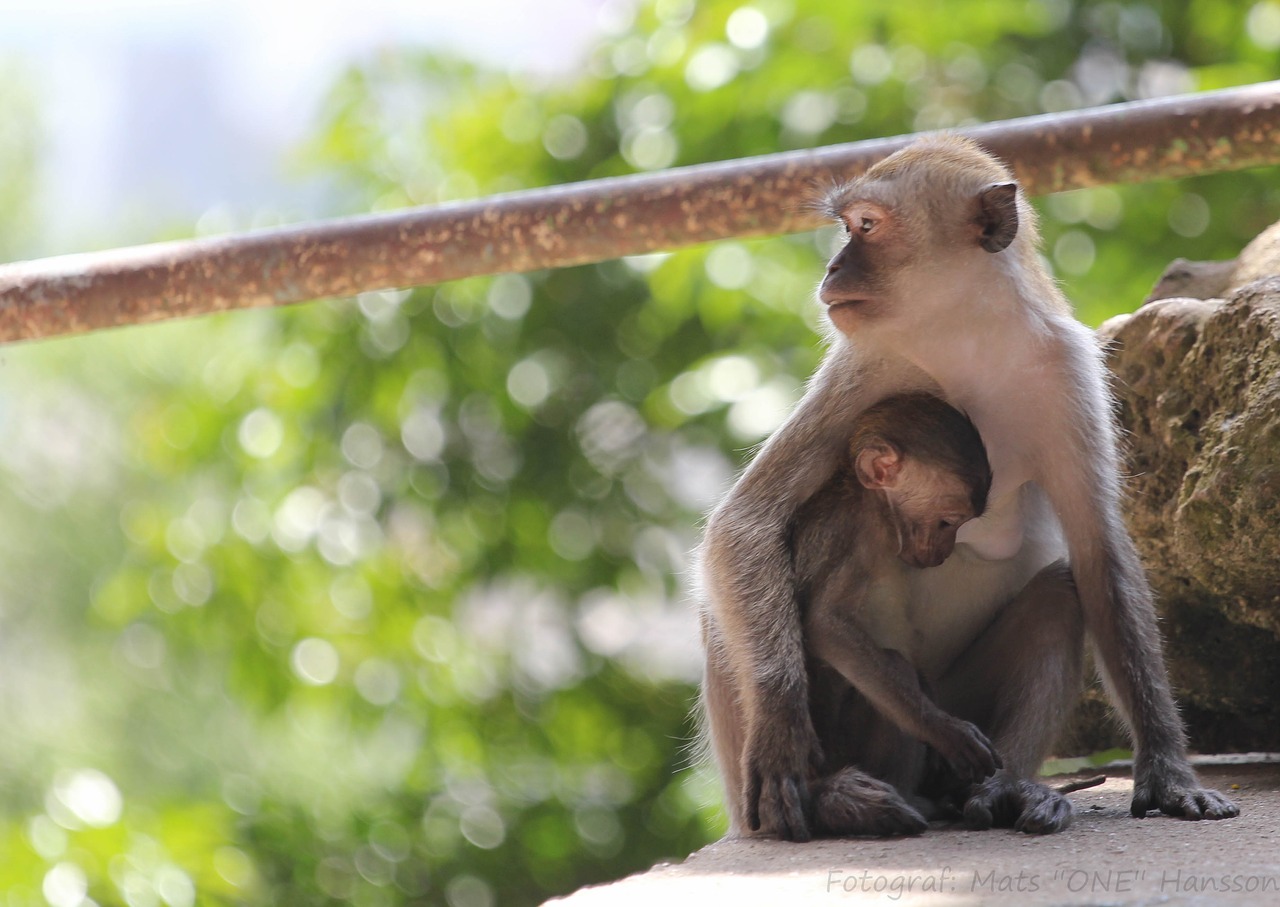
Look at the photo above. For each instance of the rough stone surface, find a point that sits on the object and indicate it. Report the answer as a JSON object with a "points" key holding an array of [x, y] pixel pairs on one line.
{"points": [[1105, 857], [1198, 381]]}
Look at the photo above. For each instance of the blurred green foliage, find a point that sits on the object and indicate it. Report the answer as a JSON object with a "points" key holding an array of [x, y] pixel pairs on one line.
{"points": [[381, 600]]}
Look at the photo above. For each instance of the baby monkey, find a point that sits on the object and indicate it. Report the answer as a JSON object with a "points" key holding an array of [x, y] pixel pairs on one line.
{"points": [[916, 471]]}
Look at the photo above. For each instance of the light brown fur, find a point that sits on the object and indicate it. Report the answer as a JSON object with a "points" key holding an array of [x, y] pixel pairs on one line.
{"points": [[935, 293]]}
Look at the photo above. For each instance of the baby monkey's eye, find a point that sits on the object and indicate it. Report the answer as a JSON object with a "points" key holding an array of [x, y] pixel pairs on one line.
{"points": [[866, 225]]}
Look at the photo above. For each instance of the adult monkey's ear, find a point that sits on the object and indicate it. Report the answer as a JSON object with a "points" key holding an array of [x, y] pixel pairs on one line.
{"points": [[998, 215]]}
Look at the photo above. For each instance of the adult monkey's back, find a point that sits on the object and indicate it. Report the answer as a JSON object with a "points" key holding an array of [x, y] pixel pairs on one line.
{"points": [[940, 288]]}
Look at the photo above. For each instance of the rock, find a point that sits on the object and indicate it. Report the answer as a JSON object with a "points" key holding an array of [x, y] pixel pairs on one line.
{"points": [[1105, 857], [1194, 280], [1198, 383], [1261, 258], [1185, 279]]}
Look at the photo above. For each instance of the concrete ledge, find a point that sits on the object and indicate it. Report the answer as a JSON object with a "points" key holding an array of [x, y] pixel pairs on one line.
{"points": [[1106, 857]]}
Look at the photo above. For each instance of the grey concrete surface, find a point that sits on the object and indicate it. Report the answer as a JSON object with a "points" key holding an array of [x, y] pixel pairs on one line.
{"points": [[1105, 858]]}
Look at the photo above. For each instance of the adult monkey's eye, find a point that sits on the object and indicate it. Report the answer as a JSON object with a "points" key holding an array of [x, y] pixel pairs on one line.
{"points": [[867, 225]]}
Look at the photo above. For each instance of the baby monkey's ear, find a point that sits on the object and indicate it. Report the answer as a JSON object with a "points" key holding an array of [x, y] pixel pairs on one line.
{"points": [[878, 464]]}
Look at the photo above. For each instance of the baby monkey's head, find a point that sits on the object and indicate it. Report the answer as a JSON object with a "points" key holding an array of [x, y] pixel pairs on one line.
{"points": [[928, 462]]}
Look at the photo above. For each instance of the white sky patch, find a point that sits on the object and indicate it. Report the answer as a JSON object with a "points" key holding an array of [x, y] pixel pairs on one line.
{"points": [[156, 112]]}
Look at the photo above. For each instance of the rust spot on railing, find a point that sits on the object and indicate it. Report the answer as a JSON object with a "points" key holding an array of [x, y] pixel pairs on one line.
{"points": [[602, 219]]}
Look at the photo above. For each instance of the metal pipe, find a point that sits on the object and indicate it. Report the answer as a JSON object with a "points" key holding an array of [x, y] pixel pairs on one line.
{"points": [[602, 219]]}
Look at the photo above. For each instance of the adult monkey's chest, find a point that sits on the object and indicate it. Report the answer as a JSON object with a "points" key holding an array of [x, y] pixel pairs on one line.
{"points": [[949, 606]]}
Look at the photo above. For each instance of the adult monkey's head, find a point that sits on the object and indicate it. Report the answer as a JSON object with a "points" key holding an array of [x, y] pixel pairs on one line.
{"points": [[940, 214]]}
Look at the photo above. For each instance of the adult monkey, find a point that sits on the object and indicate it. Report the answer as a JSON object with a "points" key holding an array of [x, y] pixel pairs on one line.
{"points": [[940, 289]]}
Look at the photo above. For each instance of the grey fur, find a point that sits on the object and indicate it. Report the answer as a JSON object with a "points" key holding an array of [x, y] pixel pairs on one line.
{"points": [[1001, 621]]}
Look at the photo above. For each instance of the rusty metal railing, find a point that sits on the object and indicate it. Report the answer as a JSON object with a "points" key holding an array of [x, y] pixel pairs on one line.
{"points": [[602, 219]]}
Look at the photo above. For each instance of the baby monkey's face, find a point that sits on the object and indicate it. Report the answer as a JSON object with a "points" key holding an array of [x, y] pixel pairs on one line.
{"points": [[927, 505]]}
